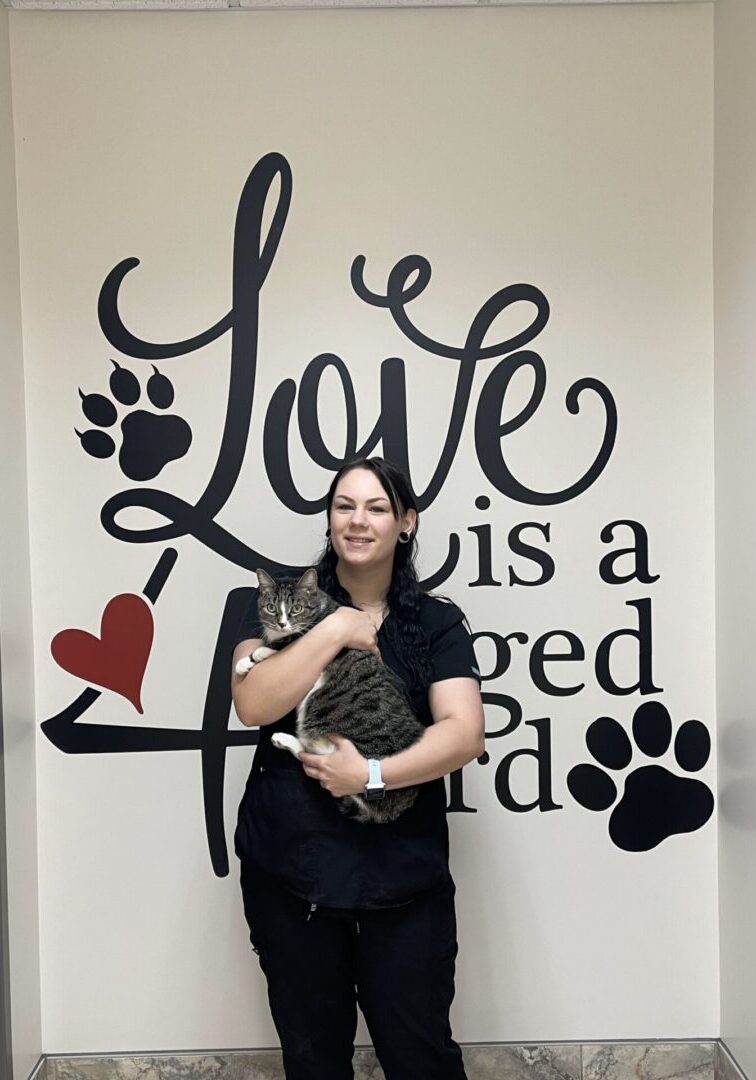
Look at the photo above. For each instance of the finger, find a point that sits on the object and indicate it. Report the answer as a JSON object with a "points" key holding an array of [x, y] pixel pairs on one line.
{"points": [[342, 742]]}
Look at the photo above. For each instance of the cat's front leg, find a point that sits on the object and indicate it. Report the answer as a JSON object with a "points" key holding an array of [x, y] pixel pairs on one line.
{"points": [[319, 745], [282, 741], [262, 652]]}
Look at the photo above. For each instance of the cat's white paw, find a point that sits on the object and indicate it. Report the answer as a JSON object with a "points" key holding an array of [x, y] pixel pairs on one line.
{"points": [[244, 665], [262, 652], [282, 741]]}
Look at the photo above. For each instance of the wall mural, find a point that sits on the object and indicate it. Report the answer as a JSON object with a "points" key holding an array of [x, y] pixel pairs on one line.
{"points": [[655, 803]]}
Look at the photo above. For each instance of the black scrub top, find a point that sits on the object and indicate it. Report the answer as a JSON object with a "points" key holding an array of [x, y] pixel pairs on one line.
{"points": [[292, 828]]}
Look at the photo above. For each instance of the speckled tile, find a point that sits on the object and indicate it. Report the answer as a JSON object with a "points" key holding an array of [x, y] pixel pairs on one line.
{"points": [[366, 1066], [260, 1065], [552, 1061], [726, 1068], [263, 1065], [649, 1061], [503, 1061]]}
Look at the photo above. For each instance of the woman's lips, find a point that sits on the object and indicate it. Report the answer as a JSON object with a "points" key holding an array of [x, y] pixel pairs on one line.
{"points": [[358, 543]]}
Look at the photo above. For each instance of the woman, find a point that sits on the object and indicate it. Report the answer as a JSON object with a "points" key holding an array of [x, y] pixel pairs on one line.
{"points": [[341, 912]]}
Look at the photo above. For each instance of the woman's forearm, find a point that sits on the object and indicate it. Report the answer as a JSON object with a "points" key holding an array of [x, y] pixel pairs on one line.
{"points": [[273, 687], [444, 746]]}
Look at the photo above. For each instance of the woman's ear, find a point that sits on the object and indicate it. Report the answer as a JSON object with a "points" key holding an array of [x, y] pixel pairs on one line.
{"points": [[410, 520]]}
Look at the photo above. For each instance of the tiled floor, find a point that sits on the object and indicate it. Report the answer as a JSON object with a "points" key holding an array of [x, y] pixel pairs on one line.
{"points": [[705, 1060]]}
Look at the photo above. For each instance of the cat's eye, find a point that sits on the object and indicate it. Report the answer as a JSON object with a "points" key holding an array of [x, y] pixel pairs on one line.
{"points": [[296, 608], [271, 608]]}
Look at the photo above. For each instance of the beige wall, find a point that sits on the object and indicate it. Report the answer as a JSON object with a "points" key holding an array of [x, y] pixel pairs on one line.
{"points": [[735, 441], [569, 148], [15, 619]]}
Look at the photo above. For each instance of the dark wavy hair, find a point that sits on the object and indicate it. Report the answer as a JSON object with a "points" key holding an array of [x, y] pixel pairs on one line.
{"points": [[404, 596]]}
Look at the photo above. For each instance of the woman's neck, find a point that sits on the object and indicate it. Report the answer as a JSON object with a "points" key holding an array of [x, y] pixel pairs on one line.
{"points": [[368, 588]]}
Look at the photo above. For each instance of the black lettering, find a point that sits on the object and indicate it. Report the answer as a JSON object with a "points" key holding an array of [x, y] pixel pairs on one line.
{"points": [[645, 683], [503, 652], [489, 429], [539, 656], [542, 754], [639, 570], [456, 803], [518, 547]]}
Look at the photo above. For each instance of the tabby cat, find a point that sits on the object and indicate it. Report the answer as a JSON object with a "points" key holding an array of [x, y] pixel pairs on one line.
{"points": [[355, 695]]}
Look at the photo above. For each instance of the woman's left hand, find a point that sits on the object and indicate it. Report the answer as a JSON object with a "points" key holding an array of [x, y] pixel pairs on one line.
{"points": [[344, 772]]}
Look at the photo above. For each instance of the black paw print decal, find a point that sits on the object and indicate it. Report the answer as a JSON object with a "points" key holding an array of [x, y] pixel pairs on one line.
{"points": [[148, 440], [656, 803]]}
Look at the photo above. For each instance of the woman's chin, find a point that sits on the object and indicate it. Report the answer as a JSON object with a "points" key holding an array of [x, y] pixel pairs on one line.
{"points": [[358, 554], [356, 557]]}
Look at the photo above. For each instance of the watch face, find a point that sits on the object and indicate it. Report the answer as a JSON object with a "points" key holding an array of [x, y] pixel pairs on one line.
{"points": [[375, 793]]}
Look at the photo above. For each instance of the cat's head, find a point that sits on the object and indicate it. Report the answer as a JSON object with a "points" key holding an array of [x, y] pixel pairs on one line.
{"points": [[288, 606]]}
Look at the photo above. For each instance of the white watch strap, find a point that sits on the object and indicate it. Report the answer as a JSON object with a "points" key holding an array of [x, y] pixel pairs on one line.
{"points": [[374, 773]]}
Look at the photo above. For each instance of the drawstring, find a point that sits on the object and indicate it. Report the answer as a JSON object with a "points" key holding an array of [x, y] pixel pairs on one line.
{"points": [[357, 924]]}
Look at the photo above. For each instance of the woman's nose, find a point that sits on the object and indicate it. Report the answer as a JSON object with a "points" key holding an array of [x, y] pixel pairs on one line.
{"points": [[359, 517]]}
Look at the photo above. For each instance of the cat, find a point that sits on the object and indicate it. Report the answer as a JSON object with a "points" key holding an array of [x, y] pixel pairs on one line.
{"points": [[355, 695]]}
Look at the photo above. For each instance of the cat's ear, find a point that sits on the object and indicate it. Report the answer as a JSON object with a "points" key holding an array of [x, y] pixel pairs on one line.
{"points": [[264, 580], [309, 580]]}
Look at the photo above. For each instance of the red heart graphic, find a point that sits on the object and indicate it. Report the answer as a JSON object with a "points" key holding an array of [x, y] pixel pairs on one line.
{"points": [[118, 657]]}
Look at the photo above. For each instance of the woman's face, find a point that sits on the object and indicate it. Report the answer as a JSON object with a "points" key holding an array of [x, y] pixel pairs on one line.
{"points": [[364, 530]]}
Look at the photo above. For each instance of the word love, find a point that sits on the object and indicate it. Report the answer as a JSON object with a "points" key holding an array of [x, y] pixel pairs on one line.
{"points": [[270, 184]]}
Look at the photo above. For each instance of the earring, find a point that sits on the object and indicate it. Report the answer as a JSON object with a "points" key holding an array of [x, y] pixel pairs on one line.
{"points": [[405, 537], [328, 532]]}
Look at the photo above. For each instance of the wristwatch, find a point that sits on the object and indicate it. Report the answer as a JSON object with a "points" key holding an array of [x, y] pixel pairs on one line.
{"points": [[375, 787]]}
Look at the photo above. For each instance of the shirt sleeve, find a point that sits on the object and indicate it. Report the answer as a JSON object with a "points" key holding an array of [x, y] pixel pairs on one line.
{"points": [[451, 649], [250, 626]]}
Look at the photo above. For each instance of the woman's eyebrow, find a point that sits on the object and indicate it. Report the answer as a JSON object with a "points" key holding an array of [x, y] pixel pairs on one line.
{"points": [[378, 498]]}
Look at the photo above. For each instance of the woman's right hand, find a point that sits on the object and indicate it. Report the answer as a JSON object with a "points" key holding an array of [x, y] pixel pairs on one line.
{"points": [[356, 629]]}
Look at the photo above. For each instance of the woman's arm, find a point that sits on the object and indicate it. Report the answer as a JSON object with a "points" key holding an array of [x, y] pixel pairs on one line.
{"points": [[455, 737], [273, 687]]}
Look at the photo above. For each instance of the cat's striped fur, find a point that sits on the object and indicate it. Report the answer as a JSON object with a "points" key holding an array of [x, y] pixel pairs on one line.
{"points": [[356, 695]]}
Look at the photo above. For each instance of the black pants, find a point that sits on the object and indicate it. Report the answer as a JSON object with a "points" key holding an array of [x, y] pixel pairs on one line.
{"points": [[397, 963]]}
